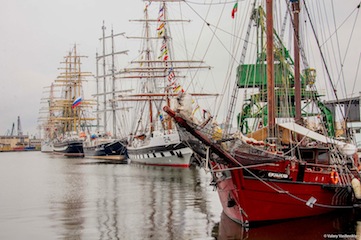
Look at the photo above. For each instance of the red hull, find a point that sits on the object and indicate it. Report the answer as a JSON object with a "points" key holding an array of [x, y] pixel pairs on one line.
{"points": [[260, 202]]}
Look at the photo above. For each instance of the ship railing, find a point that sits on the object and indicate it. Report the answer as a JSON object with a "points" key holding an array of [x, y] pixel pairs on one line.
{"points": [[343, 172]]}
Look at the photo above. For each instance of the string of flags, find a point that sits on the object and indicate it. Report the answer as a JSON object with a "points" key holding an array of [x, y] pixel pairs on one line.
{"points": [[173, 84], [171, 77], [161, 33], [164, 52]]}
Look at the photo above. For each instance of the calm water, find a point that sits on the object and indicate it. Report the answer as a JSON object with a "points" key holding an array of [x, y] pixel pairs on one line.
{"points": [[48, 197]]}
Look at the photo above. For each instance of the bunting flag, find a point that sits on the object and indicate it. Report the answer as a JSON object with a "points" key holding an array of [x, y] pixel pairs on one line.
{"points": [[234, 10], [165, 58], [172, 83], [76, 102], [164, 53], [164, 46], [161, 14], [171, 75], [178, 88], [161, 26], [161, 33], [161, 118]]}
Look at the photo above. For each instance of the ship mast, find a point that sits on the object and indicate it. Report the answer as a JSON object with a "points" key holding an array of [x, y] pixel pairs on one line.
{"points": [[77, 91], [270, 71], [147, 36], [71, 80], [158, 71], [296, 9], [104, 84], [104, 77]]}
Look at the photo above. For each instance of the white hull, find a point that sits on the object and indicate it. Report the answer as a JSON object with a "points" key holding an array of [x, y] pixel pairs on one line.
{"points": [[161, 150], [47, 147], [180, 158]]}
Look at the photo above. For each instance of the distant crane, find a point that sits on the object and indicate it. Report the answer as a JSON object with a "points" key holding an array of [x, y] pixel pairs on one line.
{"points": [[12, 130], [20, 131]]}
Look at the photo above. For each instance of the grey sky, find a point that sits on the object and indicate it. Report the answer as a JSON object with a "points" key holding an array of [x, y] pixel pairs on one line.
{"points": [[36, 34]]}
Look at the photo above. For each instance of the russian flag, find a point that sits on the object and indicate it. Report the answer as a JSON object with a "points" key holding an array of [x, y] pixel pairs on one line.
{"points": [[76, 102]]}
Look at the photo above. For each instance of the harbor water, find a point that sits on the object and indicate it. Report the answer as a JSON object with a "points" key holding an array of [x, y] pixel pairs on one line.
{"points": [[50, 197]]}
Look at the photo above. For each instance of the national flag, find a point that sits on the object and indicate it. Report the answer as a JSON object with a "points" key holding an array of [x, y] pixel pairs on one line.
{"points": [[76, 102], [234, 10]]}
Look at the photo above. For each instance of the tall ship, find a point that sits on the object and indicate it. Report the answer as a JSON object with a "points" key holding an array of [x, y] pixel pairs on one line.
{"points": [[46, 120], [68, 119], [108, 140], [154, 139], [284, 160]]}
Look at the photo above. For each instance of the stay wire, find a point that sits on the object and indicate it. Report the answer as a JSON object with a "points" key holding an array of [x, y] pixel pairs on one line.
{"points": [[344, 59], [357, 8], [322, 56]]}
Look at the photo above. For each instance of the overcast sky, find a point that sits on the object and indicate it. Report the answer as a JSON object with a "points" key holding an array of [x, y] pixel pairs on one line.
{"points": [[36, 34]]}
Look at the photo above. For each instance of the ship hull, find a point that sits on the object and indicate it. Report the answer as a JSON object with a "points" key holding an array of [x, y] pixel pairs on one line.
{"points": [[69, 148], [114, 150], [263, 199], [173, 155], [47, 147]]}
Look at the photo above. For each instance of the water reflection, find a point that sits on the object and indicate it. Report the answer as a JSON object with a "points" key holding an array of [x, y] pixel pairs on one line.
{"points": [[172, 204], [131, 202], [46, 197], [107, 207], [330, 226], [67, 201]]}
